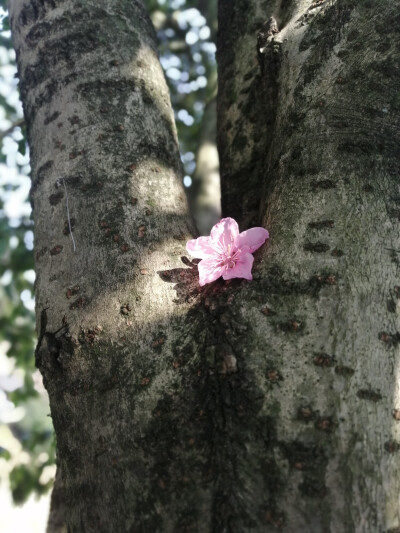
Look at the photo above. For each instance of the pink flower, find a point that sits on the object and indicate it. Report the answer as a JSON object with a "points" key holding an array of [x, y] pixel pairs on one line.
{"points": [[226, 252]]}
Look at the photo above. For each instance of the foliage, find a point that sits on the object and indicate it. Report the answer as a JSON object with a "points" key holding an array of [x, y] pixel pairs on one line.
{"points": [[187, 53]]}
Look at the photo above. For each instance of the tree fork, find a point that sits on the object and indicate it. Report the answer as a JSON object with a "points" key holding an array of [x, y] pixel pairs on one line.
{"points": [[244, 406]]}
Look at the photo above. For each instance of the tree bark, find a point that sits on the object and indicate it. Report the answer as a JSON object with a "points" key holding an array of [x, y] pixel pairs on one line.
{"points": [[103, 145], [244, 406], [323, 311]]}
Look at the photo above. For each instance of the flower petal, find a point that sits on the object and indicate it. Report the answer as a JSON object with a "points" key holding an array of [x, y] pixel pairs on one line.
{"points": [[242, 269], [209, 270], [225, 232], [201, 247], [252, 238]]}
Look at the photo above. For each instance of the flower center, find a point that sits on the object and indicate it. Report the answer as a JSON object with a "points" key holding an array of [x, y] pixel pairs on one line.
{"points": [[229, 259]]}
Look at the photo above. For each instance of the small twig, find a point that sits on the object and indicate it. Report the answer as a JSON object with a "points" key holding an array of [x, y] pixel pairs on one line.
{"points": [[16, 124]]}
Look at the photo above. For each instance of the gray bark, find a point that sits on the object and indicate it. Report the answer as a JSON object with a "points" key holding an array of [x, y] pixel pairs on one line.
{"points": [[246, 406], [102, 136], [323, 312]]}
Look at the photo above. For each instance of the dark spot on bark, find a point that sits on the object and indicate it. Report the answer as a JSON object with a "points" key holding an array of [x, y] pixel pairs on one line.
{"points": [[391, 305], [88, 336], [56, 198], [306, 414], [75, 153], [56, 249], [124, 248], [313, 488], [316, 247], [392, 446], [291, 326], [337, 253], [267, 311], [321, 279], [51, 118], [80, 303], [368, 188], [323, 184], [274, 376], [384, 337], [391, 339], [321, 224], [277, 282], [327, 424], [59, 145], [180, 237], [74, 120], [323, 360], [141, 231], [158, 342], [343, 54], [41, 174], [368, 394], [72, 291], [125, 309], [345, 371], [40, 253]]}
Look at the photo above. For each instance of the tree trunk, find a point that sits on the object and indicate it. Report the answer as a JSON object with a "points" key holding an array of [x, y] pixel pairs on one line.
{"points": [[243, 406], [205, 193], [323, 311]]}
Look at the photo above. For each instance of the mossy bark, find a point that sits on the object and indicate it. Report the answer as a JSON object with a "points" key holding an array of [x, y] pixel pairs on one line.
{"points": [[244, 406]]}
